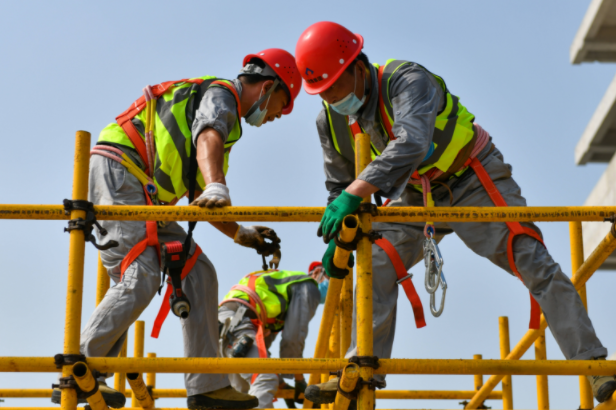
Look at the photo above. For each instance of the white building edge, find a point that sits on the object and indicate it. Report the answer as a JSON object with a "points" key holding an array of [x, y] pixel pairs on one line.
{"points": [[595, 41]]}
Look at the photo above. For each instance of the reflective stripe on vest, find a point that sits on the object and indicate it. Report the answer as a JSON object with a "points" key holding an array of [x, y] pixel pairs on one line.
{"points": [[175, 113], [272, 288], [453, 129]]}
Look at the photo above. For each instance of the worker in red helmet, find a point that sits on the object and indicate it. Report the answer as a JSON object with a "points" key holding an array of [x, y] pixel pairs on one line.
{"points": [[173, 142], [427, 150]]}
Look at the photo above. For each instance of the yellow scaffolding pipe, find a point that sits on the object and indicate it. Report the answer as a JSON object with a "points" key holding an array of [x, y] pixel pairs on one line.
{"points": [[365, 399], [102, 281], [76, 254], [346, 313], [503, 331], [331, 304], [150, 378], [609, 404], [478, 379], [586, 270], [119, 380], [138, 351], [587, 401], [281, 394], [318, 366], [314, 214], [543, 397]]}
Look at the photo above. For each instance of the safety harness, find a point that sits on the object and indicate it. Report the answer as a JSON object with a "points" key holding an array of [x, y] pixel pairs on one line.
{"points": [[515, 228], [147, 152], [256, 305]]}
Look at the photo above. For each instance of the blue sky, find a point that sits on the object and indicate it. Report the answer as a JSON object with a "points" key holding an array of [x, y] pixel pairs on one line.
{"points": [[70, 66]]}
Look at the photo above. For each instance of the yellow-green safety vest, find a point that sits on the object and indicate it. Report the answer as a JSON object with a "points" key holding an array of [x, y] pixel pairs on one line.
{"points": [[453, 129], [175, 113], [272, 288]]}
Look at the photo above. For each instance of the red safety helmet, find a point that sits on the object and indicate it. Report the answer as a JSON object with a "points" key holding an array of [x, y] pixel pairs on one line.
{"points": [[314, 265], [323, 51], [283, 63]]}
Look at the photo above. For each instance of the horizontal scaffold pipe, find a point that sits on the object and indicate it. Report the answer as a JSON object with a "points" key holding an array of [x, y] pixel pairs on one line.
{"points": [[387, 366], [314, 214], [280, 394]]}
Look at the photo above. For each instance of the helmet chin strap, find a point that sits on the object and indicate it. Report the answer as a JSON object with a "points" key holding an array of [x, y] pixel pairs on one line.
{"points": [[263, 98]]}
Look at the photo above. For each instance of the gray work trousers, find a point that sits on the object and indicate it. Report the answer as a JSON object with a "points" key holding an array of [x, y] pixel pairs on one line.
{"points": [[559, 301], [265, 386], [104, 334]]}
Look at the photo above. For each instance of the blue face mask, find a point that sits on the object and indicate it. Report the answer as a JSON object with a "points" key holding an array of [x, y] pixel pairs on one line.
{"points": [[350, 104], [323, 286]]}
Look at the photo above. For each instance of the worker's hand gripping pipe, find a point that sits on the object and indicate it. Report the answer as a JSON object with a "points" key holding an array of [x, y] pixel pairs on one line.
{"points": [[348, 384], [173, 260], [347, 234], [434, 274], [140, 391], [88, 384]]}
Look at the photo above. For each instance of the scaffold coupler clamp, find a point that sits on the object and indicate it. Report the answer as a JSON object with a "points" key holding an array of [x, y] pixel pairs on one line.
{"points": [[368, 208], [612, 219], [173, 260], [86, 225], [433, 261], [69, 382]]}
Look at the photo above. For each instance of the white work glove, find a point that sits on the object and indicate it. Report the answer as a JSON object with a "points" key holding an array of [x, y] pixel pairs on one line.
{"points": [[215, 194]]}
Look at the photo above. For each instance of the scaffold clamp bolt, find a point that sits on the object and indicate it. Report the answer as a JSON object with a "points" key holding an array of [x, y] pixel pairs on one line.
{"points": [[365, 361]]}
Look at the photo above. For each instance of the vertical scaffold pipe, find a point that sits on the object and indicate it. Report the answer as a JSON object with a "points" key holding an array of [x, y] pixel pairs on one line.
{"points": [[346, 314], [140, 394], [76, 254], [582, 275], [334, 344], [350, 223], [503, 327], [102, 281], [543, 397], [329, 309], [478, 378], [348, 381], [364, 282], [150, 378], [119, 381], [87, 383], [137, 352], [577, 258]]}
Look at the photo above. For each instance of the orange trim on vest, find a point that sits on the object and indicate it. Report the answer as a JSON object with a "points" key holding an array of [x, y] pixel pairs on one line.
{"points": [[233, 91], [515, 229], [407, 284], [165, 308], [124, 119], [382, 109]]}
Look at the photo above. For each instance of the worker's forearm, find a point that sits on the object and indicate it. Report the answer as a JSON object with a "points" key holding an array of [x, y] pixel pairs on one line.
{"points": [[210, 156], [228, 228], [361, 188]]}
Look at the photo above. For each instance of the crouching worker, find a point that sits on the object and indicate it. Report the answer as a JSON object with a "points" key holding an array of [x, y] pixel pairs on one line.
{"points": [[252, 314], [174, 141]]}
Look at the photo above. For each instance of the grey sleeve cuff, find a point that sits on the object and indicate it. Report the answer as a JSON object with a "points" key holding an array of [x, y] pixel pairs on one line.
{"points": [[217, 110]]}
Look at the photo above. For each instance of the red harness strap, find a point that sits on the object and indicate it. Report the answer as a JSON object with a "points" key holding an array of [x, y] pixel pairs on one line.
{"points": [[515, 229], [260, 326], [407, 284], [151, 239], [124, 119], [164, 307]]}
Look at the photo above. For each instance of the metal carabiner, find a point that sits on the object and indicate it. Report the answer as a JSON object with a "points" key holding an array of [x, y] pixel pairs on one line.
{"points": [[433, 260], [437, 313]]}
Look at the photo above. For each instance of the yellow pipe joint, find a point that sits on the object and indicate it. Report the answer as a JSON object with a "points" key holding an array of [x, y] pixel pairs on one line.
{"points": [[350, 224], [140, 391], [348, 381], [87, 383]]}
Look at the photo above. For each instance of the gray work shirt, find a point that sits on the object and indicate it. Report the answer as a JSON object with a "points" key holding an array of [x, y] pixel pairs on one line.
{"points": [[417, 99], [305, 298], [217, 110]]}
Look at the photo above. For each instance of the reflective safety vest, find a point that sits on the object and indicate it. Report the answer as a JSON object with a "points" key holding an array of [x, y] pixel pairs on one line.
{"points": [[452, 140], [272, 287], [175, 112]]}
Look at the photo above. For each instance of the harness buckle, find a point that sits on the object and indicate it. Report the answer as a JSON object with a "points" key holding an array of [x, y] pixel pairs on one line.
{"points": [[409, 276]]}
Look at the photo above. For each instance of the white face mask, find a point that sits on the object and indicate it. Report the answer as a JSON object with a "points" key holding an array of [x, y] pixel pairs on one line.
{"points": [[255, 115], [350, 104]]}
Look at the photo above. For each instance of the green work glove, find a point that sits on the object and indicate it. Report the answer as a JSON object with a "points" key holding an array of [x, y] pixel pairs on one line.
{"points": [[300, 388], [328, 263], [335, 212]]}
